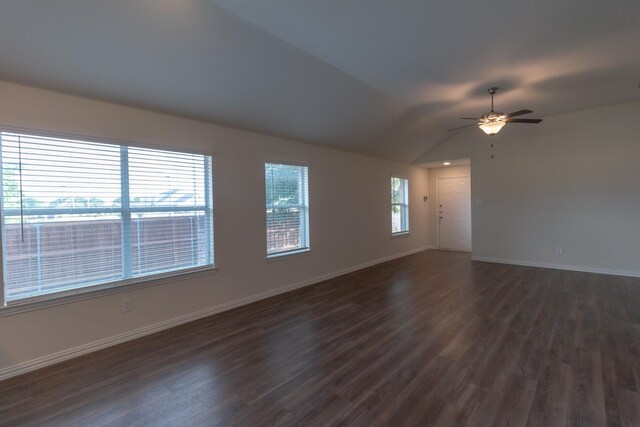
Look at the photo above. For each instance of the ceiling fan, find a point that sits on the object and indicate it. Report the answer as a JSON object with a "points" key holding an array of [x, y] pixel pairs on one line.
{"points": [[493, 121]]}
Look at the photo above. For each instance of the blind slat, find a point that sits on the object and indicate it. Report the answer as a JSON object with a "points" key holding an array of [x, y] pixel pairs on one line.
{"points": [[65, 224]]}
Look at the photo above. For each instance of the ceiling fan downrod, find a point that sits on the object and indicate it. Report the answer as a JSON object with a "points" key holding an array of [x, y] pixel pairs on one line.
{"points": [[492, 91]]}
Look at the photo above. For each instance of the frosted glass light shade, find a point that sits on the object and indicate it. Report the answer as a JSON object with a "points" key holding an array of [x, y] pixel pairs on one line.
{"points": [[491, 128]]}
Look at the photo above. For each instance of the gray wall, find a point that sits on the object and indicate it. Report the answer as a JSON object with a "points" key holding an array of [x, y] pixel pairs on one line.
{"points": [[350, 223], [572, 182]]}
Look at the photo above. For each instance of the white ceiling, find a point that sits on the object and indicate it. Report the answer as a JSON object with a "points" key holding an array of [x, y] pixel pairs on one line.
{"points": [[380, 77]]}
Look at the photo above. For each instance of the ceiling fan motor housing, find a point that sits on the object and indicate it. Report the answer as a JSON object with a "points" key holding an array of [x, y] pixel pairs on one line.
{"points": [[493, 116]]}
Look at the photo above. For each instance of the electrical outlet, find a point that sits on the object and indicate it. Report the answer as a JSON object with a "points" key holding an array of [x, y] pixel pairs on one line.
{"points": [[559, 251], [126, 305]]}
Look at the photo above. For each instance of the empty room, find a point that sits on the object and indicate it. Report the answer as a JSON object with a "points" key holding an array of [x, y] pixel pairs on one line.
{"points": [[320, 213]]}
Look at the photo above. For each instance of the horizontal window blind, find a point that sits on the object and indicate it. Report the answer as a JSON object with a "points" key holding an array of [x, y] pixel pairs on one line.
{"points": [[81, 213], [399, 205], [287, 196]]}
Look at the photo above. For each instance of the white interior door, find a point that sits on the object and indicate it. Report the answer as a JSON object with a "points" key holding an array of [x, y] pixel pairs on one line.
{"points": [[454, 213]]}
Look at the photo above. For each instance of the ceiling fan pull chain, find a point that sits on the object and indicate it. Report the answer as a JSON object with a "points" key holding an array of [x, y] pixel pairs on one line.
{"points": [[492, 150]]}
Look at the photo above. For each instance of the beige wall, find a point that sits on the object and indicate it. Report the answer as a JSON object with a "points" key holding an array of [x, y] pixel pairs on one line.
{"points": [[349, 221], [434, 175], [572, 182]]}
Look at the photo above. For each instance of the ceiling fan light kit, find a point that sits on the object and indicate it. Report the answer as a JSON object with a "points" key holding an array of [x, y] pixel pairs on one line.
{"points": [[491, 128], [491, 122]]}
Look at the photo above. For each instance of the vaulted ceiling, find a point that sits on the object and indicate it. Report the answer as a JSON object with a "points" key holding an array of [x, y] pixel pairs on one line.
{"points": [[380, 77]]}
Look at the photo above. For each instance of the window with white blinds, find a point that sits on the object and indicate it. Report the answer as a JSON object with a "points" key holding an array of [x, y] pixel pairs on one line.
{"points": [[77, 214], [287, 195], [399, 205]]}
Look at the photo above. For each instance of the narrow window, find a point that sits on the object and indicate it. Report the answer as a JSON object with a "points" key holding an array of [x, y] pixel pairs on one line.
{"points": [[287, 196], [78, 214], [399, 205]]}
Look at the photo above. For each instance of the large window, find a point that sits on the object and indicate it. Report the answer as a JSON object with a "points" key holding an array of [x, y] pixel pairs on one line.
{"points": [[77, 214], [399, 205], [287, 197]]}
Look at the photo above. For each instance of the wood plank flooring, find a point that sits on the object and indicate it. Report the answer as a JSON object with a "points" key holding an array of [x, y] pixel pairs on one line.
{"points": [[429, 339]]}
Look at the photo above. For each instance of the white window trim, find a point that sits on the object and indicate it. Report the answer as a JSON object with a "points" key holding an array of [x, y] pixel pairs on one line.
{"points": [[97, 291], [391, 204], [287, 254], [293, 252], [94, 291], [101, 139]]}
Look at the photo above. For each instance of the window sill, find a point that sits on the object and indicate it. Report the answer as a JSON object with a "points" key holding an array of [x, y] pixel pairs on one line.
{"points": [[400, 234], [287, 255], [82, 294]]}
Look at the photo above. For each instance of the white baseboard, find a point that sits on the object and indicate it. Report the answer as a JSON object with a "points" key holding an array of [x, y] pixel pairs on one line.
{"points": [[558, 266], [41, 362]]}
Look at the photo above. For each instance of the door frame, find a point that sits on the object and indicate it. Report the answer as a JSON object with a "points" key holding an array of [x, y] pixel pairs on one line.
{"points": [[438, 208]]}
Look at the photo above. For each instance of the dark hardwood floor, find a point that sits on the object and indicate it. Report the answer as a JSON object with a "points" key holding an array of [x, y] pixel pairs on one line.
{"points": [[429, 339]]}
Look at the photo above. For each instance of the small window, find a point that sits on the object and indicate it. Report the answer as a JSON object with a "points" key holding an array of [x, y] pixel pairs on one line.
{"points": [[78, 214], [287, 196], [399, 205]]}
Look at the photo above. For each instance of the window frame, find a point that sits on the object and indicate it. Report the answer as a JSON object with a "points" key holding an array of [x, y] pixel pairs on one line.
{"points": [[128, 284], [306, 228], [403, 218]]}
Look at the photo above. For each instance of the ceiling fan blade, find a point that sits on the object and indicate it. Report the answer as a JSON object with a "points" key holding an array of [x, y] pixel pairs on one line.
{"points": [[469, 118], [519, 113], [462, 127], [524, 120]]}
